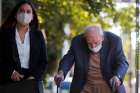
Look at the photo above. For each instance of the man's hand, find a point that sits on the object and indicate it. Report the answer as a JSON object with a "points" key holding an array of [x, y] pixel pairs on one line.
{"points": [[59, 77], [16, 76], [115, 83]]}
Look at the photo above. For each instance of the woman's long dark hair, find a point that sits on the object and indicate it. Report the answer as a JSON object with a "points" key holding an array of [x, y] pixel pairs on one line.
{"points": [[11, 19]]}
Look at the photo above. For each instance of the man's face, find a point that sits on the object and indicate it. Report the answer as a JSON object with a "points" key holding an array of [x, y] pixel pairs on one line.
{"points": [[93, 39]]}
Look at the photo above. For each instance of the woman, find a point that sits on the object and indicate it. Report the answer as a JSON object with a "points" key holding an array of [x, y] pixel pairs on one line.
{"points": [[23, 52]]}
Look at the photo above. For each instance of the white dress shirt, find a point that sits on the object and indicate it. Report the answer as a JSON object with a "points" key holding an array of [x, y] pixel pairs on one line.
{"points": [[23, 49]]}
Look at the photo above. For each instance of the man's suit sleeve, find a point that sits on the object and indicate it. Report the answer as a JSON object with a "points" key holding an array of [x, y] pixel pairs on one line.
{"points": [[67, 61], [122, 64]]}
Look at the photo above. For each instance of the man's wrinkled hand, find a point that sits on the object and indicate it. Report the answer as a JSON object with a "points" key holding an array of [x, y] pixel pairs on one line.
{"points": [[115, 83], [59, 77]]}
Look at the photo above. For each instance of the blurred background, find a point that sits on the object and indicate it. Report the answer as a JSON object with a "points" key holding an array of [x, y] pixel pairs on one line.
{"points": [[61, 20]]}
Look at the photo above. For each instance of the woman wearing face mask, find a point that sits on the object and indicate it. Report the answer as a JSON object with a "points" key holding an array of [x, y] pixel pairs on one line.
{"points": [[23, 52]]}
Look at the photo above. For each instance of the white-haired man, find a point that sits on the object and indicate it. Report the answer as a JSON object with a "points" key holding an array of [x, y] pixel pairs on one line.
{"points": [[100, 64]]}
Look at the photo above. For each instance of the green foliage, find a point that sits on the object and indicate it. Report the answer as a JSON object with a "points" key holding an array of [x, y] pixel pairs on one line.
{"points": [[96, 6], [54, 14], [125, 18]]}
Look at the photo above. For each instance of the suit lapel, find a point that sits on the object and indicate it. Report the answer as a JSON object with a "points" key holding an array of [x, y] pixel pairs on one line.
{"points": [[85, 55], [104, 52], [86, 62], [32, 45], [14, 49]]}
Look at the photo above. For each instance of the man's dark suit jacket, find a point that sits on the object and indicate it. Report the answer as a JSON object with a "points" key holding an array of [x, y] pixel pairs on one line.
{"points": [[9, 58], [113, 61]]}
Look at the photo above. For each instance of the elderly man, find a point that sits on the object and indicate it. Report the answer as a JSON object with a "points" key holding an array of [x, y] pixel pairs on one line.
{"points": [[100, 64]]}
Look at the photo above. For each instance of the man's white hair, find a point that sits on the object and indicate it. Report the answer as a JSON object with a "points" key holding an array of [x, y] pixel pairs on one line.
{"points": [[94, 28]]}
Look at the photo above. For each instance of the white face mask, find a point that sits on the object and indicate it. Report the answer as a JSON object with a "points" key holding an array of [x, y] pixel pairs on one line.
{"points": [[96, 49], [24, 18]]}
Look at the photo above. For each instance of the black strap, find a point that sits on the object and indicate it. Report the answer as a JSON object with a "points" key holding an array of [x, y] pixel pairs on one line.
{"points": [[57, 89]]}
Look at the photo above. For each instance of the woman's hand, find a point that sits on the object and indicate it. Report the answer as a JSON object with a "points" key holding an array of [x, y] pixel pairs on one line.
{"points": [[16, 76], [31, 77]]}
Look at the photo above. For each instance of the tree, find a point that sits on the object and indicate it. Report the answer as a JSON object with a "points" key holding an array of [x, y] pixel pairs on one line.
{"points": [[126, 19], [54, 14]]}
